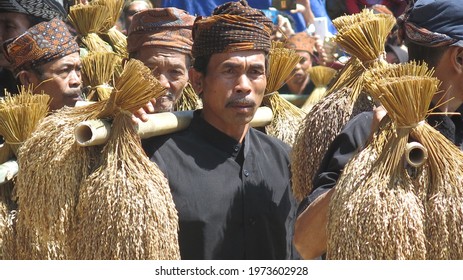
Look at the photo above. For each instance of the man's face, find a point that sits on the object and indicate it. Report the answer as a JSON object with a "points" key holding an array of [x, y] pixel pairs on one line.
{"points": [[11, 26], [171, 69], [233, 88], [134, 8], [300, 75], [61, 79]]}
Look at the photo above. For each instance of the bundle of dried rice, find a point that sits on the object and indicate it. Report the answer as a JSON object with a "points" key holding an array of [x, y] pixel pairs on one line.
{"points": [[189, 100], [88, 20], [286, 116], [377, 210], [109, 32], [99, 70], [125, 208], [363, 35], [52, 167], [321, 76], [19, 116]]}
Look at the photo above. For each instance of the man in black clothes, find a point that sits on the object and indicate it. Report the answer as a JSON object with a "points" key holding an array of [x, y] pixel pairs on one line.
{"points": [[433, 32]]}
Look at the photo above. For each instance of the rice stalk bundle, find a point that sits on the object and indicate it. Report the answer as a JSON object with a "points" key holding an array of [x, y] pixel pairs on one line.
{"points": [[286, 116], [99, 69], [20, 114], [362, 36], [125, 208], [444, 196], [52, 167], [381, 215], [346, 21], [109, 32], [189, 100], [88, 21], [321, 76]]}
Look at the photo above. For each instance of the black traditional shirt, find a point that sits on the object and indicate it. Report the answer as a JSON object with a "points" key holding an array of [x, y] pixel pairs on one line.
{"points": [[234, 200]]}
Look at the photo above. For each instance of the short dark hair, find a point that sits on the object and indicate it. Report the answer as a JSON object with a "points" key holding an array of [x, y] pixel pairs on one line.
{"points": [[430, 55]]}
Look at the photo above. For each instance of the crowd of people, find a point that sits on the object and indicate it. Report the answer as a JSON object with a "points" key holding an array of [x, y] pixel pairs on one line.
{"points": [[230, 182]]}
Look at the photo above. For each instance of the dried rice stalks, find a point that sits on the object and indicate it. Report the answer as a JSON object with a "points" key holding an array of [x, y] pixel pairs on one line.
{"points": [[386, 214], [287, 117], [52, 167], [98, 72], [189, 100], [88, 21], [125, 208], [321, 77], [363, 35], [109, 32], [20, 114]]}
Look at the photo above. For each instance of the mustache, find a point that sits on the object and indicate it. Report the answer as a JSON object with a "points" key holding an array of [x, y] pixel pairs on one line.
{"points": [[245, 102], [74, 92]]}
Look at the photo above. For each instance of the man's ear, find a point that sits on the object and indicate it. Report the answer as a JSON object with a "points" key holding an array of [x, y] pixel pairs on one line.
{"points": [[26, 78], [196, 79], [459, 58]]}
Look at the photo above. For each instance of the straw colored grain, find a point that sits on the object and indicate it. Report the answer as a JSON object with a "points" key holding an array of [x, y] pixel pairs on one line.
{"points": [[287, 117], [126, 209], [52, 167], [321, 77], [189, 100], [362, 35], [99, 70], [88, 20]]}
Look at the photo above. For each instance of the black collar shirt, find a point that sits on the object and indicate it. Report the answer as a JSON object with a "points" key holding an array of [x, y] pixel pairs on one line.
{"points": [[234, 200]]}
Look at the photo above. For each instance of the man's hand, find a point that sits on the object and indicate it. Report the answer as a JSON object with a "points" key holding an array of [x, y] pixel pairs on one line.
{"points": [[142, 113]]}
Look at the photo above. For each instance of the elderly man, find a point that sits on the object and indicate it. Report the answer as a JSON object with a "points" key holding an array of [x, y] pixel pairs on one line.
{"points": [[434, 34], [16, 16], [299, 83], [230, 183], [161, 39], [46, 56]]}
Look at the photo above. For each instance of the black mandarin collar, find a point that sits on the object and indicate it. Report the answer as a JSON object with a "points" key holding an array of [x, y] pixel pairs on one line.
{"points": [[214, 136]]}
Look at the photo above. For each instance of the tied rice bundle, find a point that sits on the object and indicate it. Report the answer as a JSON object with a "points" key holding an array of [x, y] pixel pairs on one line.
{"points": [[88, 21], [99, 69], [47, 199], [381, 215], [321, 77], [189, 100], [109, 32], [19, 117], [286, 116], [364, 35], [51, 169], [125, 208]]}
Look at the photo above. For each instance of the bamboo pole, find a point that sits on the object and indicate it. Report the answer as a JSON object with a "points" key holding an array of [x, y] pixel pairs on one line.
{"points": [[96, 132]]}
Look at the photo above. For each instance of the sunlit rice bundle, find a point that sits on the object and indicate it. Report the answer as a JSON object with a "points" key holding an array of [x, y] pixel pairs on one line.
{"points": [[88, 20], [125, 208], [444, 196], [51, 169], [189, 100], [20, 115], [381, 215], [363, 36], [109, 32], [321, 76], [347, 21], [286, 116], [99, 70]]}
